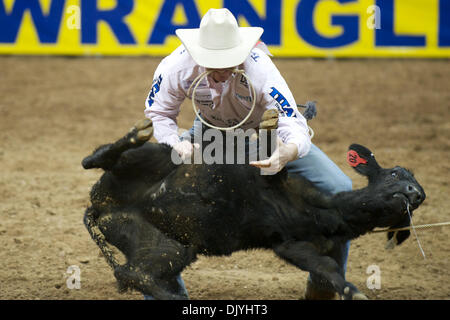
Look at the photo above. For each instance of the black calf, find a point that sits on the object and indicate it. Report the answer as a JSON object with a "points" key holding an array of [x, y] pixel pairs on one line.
{"points": [[161, 215]]}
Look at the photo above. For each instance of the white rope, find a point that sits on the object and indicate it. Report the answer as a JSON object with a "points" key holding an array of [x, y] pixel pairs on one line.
{"points": [[422, 226], [311, 132], [414, 230], [413, 227], [199, 79]]}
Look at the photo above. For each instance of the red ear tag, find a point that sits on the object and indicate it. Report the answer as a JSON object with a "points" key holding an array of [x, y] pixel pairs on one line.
{"points": [[354, 159]]}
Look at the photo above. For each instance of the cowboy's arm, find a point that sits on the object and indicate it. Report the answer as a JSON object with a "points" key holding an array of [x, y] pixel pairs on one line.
{"points": [[162, 106], [294, 140]]}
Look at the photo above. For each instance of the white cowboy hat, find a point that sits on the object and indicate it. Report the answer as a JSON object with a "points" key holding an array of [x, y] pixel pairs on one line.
{"points": [[219, 42]]}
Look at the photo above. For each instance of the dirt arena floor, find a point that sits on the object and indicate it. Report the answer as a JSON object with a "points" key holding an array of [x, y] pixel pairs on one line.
{"points": [[55, 111]]}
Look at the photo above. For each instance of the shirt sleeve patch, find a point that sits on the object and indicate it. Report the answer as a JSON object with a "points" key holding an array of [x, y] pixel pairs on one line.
{"points": [[156, 86], [286, 108], [254, 56]]}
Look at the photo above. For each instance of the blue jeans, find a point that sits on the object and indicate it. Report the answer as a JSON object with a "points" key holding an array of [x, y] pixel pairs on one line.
{"points": [[320, 170]]}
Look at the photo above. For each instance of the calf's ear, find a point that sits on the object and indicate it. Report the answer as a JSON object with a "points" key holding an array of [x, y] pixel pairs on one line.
{"points": [[362, 160]]}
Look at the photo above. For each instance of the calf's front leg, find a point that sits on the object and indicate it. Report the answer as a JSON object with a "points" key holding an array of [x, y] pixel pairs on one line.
{"points": [[305, 256]]}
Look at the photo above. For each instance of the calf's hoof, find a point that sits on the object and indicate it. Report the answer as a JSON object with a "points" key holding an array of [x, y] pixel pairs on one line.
{"points": [[359, 296], [142, 131], [269, 120], [351, 293], [143, 124]]}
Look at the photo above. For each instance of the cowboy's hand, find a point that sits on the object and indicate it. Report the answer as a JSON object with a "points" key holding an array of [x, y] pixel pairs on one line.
{"points": [[185, 149], [280, 157]]}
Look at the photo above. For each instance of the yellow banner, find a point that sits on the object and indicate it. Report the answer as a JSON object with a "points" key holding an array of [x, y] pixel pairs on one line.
{"points": [[293, 28]]}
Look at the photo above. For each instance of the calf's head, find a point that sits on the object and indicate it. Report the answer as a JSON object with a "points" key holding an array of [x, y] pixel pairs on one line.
{"points": [[392, 192]]}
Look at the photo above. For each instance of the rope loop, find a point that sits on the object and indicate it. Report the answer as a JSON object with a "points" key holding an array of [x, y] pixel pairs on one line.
{"points": [[204, 74], [199, 79]]}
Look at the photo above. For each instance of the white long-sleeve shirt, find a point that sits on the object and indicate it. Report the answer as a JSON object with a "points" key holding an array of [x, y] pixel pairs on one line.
{"points": [[224, 104]]}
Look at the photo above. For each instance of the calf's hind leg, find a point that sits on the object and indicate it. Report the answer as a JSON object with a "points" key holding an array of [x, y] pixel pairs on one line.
{"points": [[106, 156], [305, 256], [154, 261]]}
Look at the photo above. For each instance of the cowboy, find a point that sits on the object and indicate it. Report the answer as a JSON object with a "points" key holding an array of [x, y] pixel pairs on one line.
{"points": [[218, 58]]}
